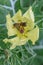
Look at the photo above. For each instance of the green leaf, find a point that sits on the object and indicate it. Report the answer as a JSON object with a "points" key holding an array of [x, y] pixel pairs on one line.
{"points": [[3, 13], [5, 2]]}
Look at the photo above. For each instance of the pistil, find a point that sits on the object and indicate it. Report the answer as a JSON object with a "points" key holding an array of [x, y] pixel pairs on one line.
{"points": [[20, 26]]}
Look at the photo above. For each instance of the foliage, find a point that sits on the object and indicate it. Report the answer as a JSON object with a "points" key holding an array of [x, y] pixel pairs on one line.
{"points": [[26, 54]]}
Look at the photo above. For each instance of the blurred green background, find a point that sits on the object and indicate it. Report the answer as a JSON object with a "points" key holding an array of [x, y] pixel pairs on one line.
{"points": [[26, 54]]}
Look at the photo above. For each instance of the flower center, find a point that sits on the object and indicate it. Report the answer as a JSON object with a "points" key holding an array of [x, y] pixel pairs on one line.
{"points": [[20, 26]]}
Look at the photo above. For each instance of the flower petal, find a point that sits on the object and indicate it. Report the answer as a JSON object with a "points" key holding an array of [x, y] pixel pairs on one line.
{"points": [[33, 35], [5, 40], [29, 14], [9, 25], [29, 24], [30, 18], [17, 17], [23, 41], [13, 41]]}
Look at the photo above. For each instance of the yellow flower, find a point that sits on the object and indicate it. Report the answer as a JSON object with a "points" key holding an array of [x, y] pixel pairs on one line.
{"points": [[23, 27]]}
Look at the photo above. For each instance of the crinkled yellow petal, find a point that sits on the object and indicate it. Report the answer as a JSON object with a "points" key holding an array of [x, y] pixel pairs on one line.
{"points": [[29, 14], [17, 42], [14, 41], [33, 35], [29, 24], [5, 40], [22, 38], [30, 18], [9, 25], [17, 17], [22, 41]]}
